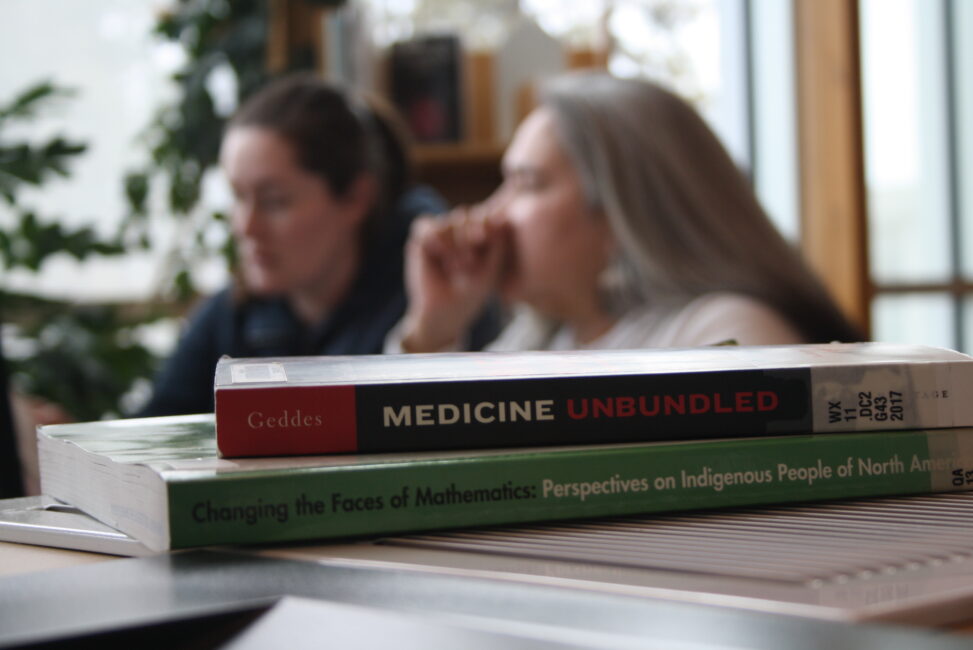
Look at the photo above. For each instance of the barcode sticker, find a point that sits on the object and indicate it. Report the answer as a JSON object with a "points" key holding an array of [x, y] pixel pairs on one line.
{"points": [[257, 372]]}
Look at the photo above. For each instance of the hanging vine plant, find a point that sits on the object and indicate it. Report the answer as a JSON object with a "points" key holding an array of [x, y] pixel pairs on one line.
{"points": [[183, 139]]}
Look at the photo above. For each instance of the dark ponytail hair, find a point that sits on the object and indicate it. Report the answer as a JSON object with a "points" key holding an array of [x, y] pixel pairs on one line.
{"points": [[335, 136]]}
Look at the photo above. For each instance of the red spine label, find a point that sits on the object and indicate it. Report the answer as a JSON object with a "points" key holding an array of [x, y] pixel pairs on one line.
{"points": [[286, 421]]}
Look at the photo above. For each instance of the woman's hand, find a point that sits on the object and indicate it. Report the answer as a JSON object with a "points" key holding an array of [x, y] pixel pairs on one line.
{"points": [[453, 264]]}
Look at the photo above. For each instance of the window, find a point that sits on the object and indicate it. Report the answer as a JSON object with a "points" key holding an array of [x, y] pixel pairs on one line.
{"points": [[917, 92], [732, 57], [103, 50]]}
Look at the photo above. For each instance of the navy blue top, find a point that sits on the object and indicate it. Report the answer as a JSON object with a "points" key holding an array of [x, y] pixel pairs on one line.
{"points": [[261, 327]]}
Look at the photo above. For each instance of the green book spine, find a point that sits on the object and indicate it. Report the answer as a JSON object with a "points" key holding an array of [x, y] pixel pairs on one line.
{"points": [[465, 489]]}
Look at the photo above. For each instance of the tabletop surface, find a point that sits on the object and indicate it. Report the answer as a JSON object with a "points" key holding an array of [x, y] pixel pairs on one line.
{"points": [[52, 593]]}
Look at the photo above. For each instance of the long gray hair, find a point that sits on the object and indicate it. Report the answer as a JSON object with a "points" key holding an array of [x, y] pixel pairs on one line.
{"points": [[686, 219]]}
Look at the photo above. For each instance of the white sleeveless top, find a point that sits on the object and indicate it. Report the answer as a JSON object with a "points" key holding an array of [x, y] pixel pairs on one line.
{"points": [[707, 320]]}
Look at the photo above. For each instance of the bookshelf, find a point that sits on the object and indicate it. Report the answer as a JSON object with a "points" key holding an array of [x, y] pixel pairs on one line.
{"points": [[467, 169], [495, 87], [462, 173]]}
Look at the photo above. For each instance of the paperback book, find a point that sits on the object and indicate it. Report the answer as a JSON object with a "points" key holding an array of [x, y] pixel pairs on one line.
{"points": [[380, 403], [161, 481]]}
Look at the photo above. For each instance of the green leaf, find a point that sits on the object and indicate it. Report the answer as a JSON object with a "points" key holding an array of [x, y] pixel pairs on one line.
{"points": [[184, 287], [33, 165], [85, 359], [137, 191], [30, 101], [33, 241]]}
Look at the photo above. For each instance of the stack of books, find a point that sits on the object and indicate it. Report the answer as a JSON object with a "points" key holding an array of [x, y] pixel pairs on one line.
{"points": [[328, 447]]}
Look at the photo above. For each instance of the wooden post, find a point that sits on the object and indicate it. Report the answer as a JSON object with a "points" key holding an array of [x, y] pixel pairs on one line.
{"points": [[277, 35], [479, 93], [830, 137], [293, 25]]}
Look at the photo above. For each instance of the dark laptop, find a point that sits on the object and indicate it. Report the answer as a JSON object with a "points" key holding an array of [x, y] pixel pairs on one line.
{"points": [[11, 481]]}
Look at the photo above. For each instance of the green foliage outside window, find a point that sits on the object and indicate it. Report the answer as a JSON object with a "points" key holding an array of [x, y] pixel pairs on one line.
{"points": [[76, 356], [87, 357]]}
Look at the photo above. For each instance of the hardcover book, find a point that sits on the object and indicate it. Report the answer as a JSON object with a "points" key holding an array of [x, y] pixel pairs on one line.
{"points": [[160, 480], [317, 405]]}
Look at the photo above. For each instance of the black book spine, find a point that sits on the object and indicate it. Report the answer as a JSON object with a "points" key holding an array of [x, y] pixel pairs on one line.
{"points": [[568, 410]]}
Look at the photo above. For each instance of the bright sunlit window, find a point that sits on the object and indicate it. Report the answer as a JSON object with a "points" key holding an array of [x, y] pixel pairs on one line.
{"points": [[103, 51], [917, 72], [730, 57]]}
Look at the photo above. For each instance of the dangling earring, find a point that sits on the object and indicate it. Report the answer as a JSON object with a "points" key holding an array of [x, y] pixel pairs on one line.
{"points": [[614, 285]]}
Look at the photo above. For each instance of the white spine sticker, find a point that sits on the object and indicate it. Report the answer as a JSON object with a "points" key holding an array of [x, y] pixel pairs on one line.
{"points": [[249, 373], [951, 451], [891, 396]]}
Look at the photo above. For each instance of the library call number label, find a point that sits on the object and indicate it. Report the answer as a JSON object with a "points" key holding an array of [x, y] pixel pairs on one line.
{"points": [[877, 407]]}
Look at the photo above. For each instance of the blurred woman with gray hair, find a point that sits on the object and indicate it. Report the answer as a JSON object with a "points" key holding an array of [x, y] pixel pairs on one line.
{"points": [[622, 222]]}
